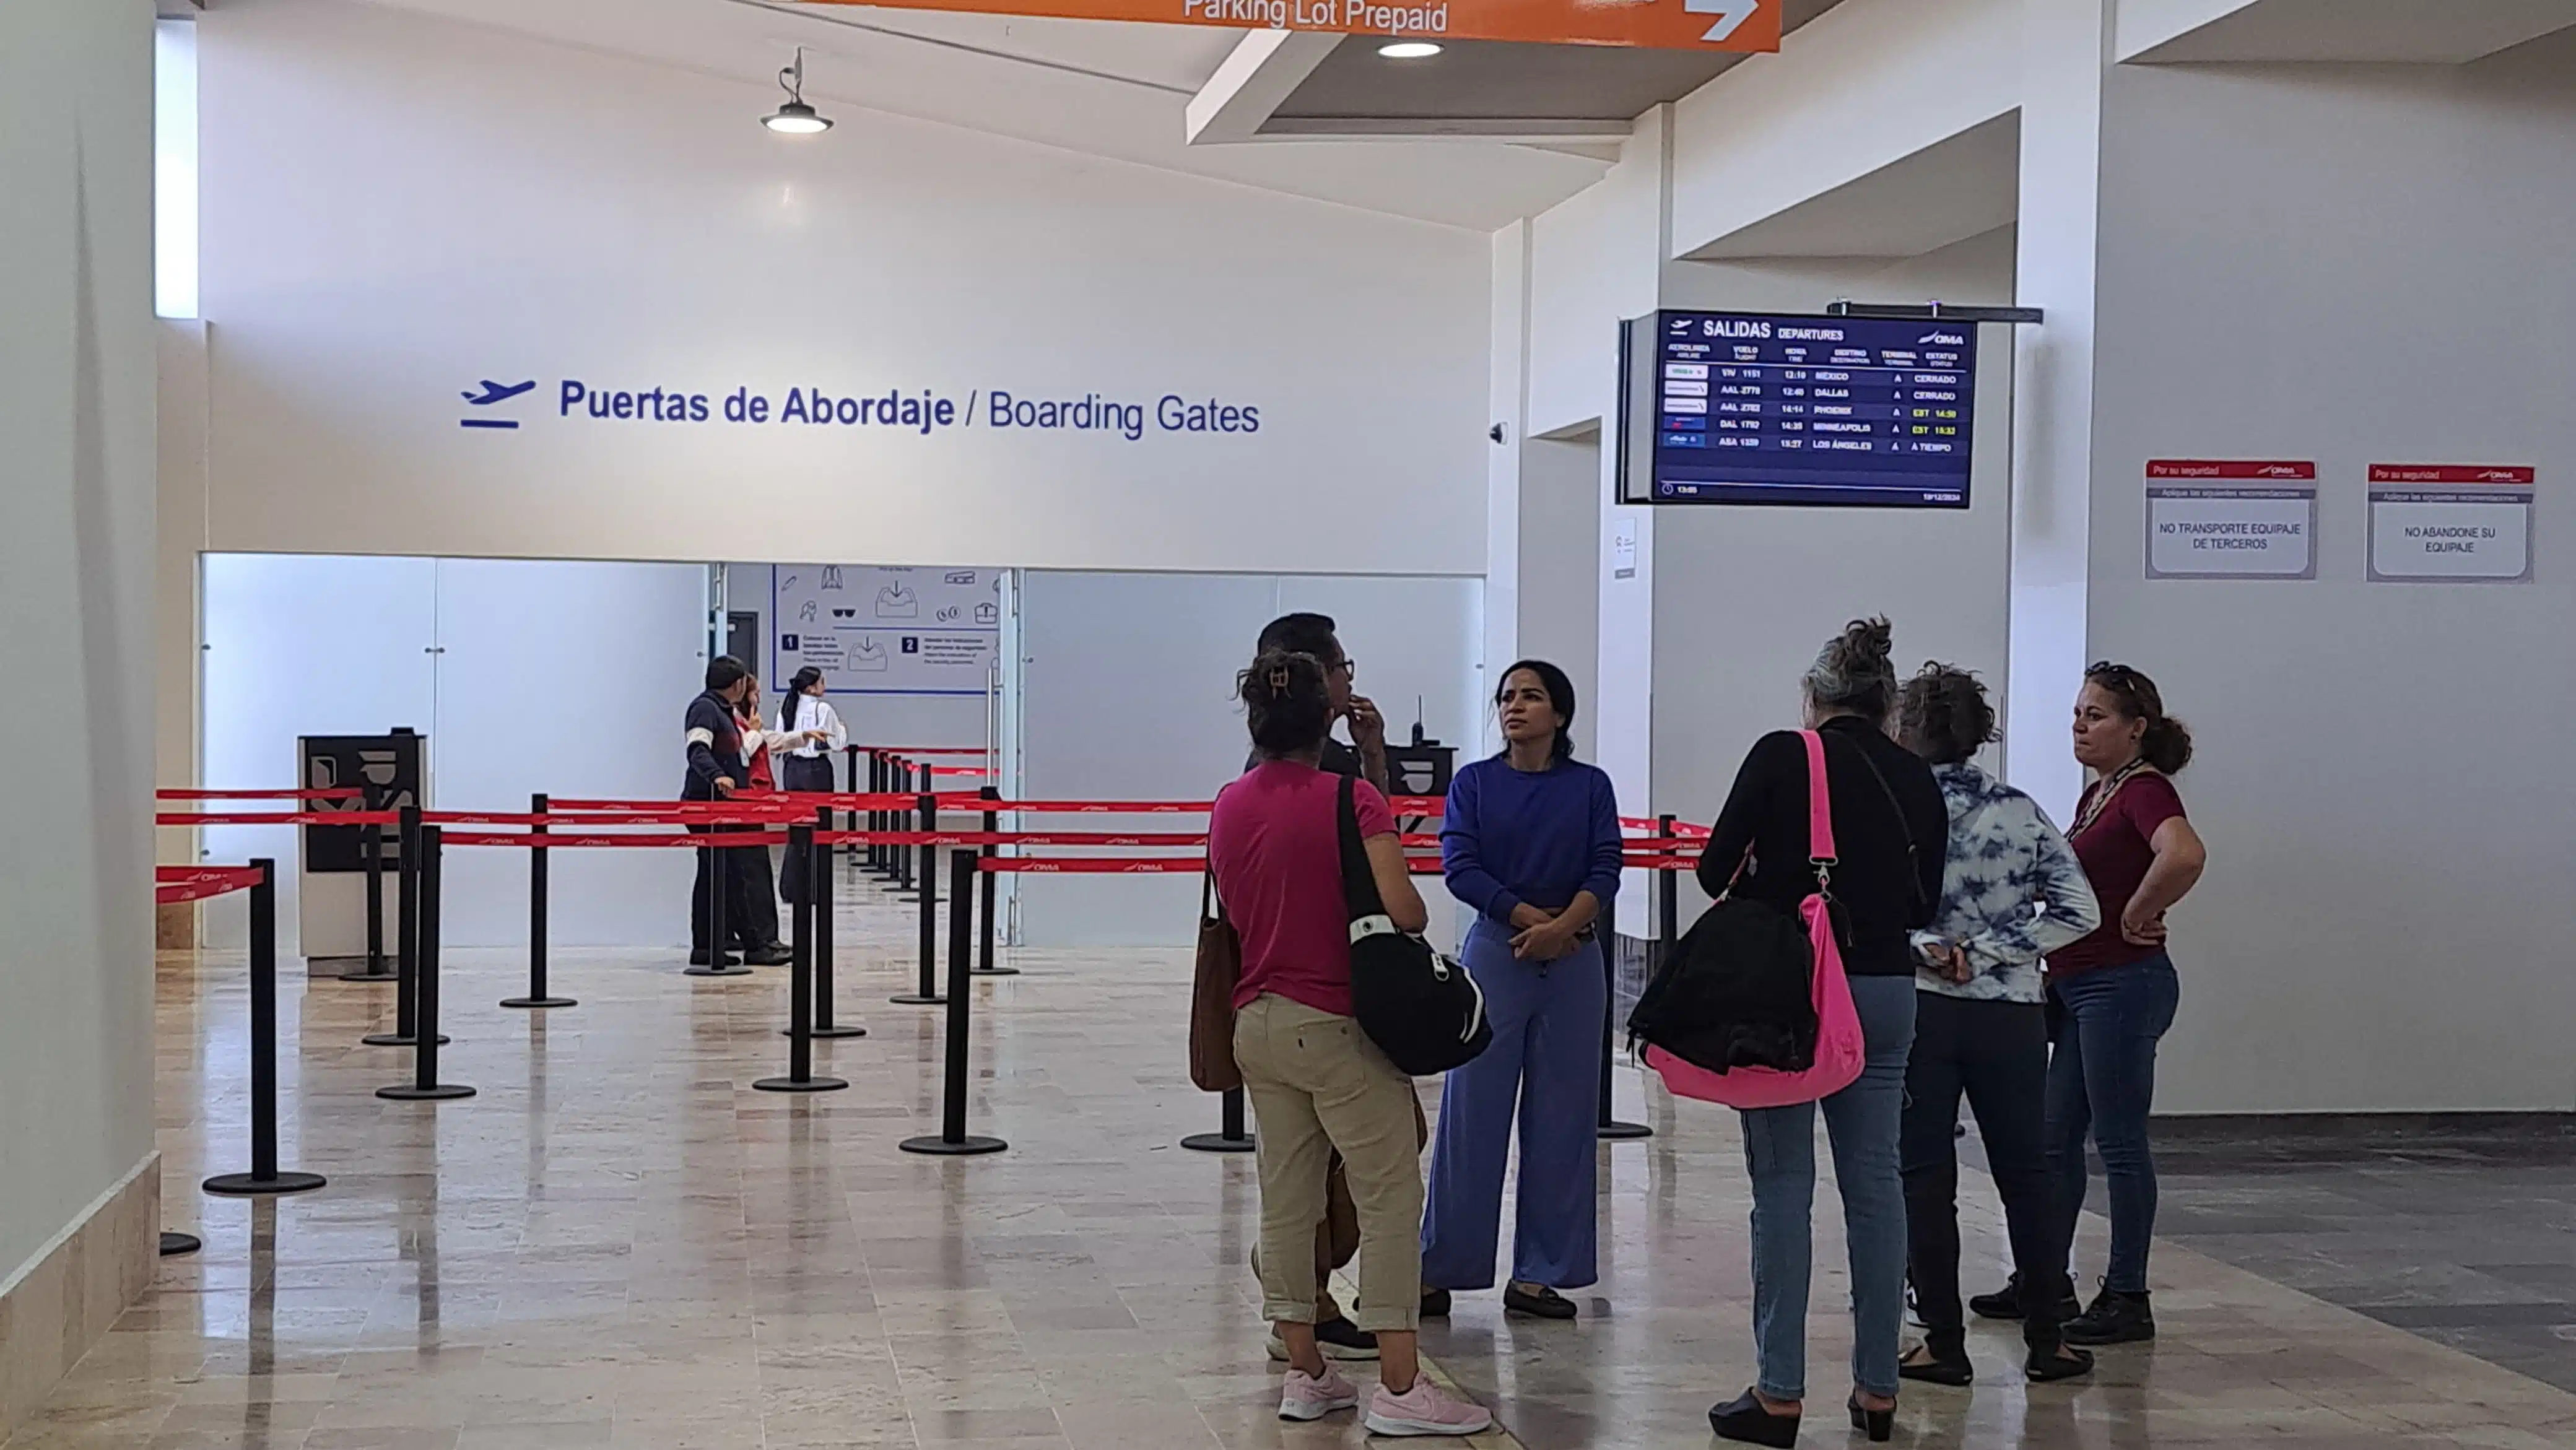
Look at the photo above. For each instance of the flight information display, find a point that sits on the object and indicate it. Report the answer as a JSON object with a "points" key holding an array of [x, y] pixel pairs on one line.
{"points": [[1765, 409]]}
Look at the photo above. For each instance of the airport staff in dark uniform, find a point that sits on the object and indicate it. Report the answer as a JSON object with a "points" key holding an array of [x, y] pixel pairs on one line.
{"points": [[716, 770]]}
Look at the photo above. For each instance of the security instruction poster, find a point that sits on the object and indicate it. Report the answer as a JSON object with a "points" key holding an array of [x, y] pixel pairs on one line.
{"points": [[2450, 523], [880, 630], [2231, 519]]}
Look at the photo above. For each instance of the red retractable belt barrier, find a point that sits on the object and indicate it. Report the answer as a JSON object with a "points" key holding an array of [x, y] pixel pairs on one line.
{"points": [[172, 885], [274, 818], [323, 793]]}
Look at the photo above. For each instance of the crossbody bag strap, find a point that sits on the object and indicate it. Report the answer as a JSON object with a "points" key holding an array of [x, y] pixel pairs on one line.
{"points": [[1820, 811], [1913, 855], [1359, 884]]}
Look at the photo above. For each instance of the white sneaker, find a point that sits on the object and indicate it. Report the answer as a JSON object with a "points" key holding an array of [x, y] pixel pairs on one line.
{"points": [[1425, 1409], [1304, 1397]]}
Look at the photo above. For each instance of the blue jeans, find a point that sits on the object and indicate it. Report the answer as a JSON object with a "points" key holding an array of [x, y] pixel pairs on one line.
{"points": [[2102, 1032], [1780, 1156]]}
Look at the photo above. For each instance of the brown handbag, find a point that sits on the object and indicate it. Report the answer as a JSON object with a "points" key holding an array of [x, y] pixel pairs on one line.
{"points": [[1220, 967]]}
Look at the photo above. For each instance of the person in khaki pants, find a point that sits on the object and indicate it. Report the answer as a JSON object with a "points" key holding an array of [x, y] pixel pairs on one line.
{"points": [[1316, 1083]]}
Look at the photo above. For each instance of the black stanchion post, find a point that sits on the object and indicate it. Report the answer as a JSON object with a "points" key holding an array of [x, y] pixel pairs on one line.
{"points": [[1231, 1135], [537, 994], [406, 932], [984, 965], [925, 992], [878, 852], [1668, 902], [850, 818], [953, 1139], [263, 1176], [174, 1243], [800, 983], [371, 850], [1612, 1126], [819, 875], [424, 1084]]}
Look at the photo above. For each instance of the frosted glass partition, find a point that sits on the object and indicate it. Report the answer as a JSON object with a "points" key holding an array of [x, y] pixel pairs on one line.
{"points": [[569, 678], [1127, 693], [303, 644]]}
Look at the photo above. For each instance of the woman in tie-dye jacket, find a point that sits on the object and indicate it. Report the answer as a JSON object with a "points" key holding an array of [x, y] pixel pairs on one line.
{"points": [[2011, 892]]}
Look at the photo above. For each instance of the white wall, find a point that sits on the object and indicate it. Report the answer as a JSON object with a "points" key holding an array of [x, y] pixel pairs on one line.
{"points": [[1744, 597], [2354, 265], [397, 207], [76, 559], [1560, 552], [1127, 688]]}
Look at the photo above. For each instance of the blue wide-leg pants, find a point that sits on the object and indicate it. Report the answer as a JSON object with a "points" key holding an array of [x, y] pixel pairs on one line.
{"points": [[1546, 1062]]}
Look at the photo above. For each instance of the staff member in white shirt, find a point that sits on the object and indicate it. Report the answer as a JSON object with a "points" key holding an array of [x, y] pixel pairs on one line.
{"points": [[809, 721]]}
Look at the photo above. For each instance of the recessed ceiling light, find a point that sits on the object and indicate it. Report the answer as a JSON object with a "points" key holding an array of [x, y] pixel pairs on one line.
{"points": [[795, 118], [1408, 49]]}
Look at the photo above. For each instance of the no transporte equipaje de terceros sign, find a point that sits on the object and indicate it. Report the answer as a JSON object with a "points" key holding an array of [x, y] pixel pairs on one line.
{"points": [[1719, 25]]}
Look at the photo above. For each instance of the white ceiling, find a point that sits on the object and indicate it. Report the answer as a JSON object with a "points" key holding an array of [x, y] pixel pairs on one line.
{"points": [[1107, 88]]}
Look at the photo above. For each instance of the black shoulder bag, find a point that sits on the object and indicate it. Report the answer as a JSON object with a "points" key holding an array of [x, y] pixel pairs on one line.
{"points": [[1421, 1009]]}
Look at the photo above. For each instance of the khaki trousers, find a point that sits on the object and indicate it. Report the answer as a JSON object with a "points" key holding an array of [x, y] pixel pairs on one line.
{"points": [[1318, 1086]]}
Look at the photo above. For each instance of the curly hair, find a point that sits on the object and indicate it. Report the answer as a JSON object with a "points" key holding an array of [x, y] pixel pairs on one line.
{"points": [[1943, 714]]}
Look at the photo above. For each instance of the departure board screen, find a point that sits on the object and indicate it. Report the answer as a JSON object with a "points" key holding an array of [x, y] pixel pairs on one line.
{"points": [[1763, 409]]}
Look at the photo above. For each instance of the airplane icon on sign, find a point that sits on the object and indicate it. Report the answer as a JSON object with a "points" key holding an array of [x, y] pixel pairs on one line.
{"points": [[495, 392]]}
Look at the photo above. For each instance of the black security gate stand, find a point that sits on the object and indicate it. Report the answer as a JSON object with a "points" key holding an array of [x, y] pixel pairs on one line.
{"points": [[406, 932], [984, 965], [537, 994], [1231, 1135], [424, 1085], [925, 992], [371, 850], [719, 904], [1665, 903], [800, 983], [953, 1139], [263, 1177], [819, 876]]}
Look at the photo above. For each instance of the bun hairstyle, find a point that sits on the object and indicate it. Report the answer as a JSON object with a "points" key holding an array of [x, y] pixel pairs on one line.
{"points": [[1853, 672], [1943, 714], [803, 680], [1286, 703], [2166, 743], [1560, 698]]}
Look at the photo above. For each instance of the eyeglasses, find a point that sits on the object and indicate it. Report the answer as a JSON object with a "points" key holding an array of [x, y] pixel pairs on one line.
{"points": [[1347, 667]]}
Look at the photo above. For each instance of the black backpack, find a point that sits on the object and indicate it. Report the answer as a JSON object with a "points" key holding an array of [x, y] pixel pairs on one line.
{"points": [[1420, 1008]]}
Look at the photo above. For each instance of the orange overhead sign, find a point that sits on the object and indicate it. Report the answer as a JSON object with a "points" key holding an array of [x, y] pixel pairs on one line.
{"points": [[1718, 25]]}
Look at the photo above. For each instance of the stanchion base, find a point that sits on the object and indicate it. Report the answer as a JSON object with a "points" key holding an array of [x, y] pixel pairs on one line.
{"points": [[1218, 1143], [173, 1243], [539, 1002], [251, 1185], [992, 971], [397, 1039], [835, 1030], [915, 999], [941, 1147], [409, 1094], [795, 1085], [387, 975], [1616, 1129], [715, 971]]}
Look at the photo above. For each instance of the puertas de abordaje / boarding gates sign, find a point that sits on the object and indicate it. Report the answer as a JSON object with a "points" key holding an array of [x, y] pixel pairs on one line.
{"points": [[1740, 26], [923, 411]]}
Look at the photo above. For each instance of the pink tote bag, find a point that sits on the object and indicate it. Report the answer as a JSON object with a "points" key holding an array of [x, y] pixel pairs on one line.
{"points": [[1839, 1046]]}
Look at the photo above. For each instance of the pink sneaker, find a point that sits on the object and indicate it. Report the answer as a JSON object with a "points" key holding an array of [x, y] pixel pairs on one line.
{"points": [[1425, 1409], [1305, 1397]]}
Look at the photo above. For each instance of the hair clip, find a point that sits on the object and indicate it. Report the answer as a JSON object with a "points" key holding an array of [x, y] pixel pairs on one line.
{"points": [[1279, 680]]}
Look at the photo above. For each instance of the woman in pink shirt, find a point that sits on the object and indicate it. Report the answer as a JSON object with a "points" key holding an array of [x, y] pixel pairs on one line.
{"points": [[1317, 1084]]}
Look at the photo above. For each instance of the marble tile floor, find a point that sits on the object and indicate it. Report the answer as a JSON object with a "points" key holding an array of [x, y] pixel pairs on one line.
{"points": [[619, 1243]]}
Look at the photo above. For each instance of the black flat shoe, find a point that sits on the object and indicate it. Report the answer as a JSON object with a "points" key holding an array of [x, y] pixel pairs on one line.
{"points": [[1435, 1304], [1538, 1301], [1744, 1420], [1879, 1424], [768, 956], [2046, 1366], [1942, 1362]]}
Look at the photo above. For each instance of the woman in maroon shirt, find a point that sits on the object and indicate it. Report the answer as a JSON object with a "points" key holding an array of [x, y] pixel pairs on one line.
{"points": [[2112, 994]]}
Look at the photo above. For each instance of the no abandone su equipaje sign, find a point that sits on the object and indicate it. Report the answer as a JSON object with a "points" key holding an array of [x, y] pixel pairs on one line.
{"points": [[2450, 523], [1716, 25], [2231, 518]]}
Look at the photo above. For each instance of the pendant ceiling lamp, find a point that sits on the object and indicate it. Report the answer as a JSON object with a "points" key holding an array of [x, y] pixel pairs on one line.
{"points": [[796, 118]]}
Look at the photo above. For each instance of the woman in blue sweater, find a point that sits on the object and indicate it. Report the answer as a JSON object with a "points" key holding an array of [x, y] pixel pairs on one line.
{"points": [[1530, 840]]}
